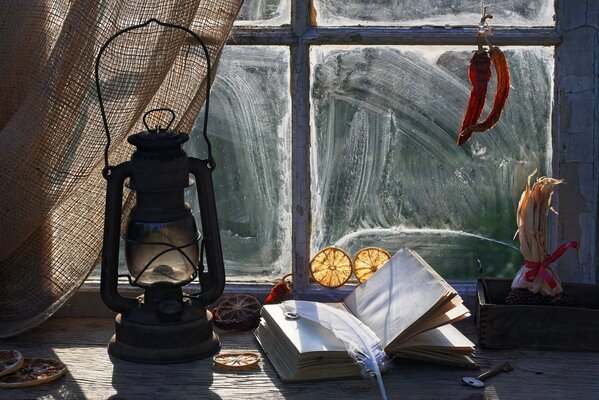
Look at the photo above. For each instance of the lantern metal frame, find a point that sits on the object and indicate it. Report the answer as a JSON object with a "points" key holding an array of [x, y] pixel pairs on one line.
{"points": [[164, 325]]}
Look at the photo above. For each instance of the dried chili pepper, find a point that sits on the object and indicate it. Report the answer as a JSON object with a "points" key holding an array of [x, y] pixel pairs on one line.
{"points": [[279, 292], [479, 75], [502, 92]]}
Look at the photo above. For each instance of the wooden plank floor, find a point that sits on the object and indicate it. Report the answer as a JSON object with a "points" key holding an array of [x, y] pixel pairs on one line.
{"points": [[81, 344]]}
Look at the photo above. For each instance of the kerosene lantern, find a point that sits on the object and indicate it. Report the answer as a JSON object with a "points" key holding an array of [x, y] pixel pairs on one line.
{"points": [[163, 247]]}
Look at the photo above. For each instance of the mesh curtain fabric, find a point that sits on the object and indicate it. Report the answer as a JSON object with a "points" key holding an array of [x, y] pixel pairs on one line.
{"points": [[51, 133]]}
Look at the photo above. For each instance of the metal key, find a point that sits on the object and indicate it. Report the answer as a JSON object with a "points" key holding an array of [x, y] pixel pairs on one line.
{"points": [[478, 382]]}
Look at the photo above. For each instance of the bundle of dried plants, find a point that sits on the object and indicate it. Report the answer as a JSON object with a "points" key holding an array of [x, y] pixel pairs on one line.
{"points": [[532, 218]]}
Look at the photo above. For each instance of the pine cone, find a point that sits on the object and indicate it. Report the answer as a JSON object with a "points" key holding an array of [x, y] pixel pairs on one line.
{"points": [[526, 297], [523, 297], [561, 300]]}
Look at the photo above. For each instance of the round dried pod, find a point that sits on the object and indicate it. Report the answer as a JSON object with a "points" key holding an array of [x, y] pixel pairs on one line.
{"points": [[240, 312], [368, 261], [35, 371], [331, 267], [10, 361], [237, 361]]}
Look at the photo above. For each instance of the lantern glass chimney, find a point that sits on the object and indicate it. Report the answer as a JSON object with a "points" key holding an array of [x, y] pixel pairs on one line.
{"points": [[152, 261]]}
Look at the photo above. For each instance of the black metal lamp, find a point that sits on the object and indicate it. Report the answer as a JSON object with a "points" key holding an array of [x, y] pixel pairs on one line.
{"points": [[163, 247]]}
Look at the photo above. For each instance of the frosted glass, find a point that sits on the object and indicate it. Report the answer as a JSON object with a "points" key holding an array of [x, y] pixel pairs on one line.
{"points": [[386, 170], [264, 13], [433, 12], [249, 127]]}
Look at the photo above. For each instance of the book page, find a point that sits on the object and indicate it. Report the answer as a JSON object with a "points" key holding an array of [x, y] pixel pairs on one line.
{"points": [[306, 335], [400, 293], [451, 312], [451, 359], [446, 338], [444, 345]]}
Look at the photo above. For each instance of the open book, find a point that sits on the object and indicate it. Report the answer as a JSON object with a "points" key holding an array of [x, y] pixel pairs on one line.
{"points": [[407, 305]]}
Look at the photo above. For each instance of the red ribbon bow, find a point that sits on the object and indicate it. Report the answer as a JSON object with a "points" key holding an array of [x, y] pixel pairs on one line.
{"points": [[540, 268]]}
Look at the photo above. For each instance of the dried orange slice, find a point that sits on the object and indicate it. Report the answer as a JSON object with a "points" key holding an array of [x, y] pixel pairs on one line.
{"points": [[368, 261], [10, 361], [237, 361], [331, 267], [241, 312], [35, 371]]}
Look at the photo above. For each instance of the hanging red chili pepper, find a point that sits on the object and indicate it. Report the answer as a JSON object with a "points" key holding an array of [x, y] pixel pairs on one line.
{"points": [[502, 92], [479, 75], [279, 292]]}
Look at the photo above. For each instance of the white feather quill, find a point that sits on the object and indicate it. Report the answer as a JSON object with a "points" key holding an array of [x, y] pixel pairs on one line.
{"points": [[361, 342]]}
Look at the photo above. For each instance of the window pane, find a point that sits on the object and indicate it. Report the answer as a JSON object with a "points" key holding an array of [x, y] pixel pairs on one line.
{"points": [[432, 12], [264, 13], [386, 170], [249, 128]]}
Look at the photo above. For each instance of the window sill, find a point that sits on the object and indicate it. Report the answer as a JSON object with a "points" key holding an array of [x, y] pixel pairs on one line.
{"points": [[86, 302]]}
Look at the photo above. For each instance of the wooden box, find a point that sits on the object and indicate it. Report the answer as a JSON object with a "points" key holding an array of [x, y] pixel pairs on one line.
{"points": [[537, 327]]}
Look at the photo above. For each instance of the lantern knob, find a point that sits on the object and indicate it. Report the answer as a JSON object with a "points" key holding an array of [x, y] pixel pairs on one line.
{"points": [[158, 128]]}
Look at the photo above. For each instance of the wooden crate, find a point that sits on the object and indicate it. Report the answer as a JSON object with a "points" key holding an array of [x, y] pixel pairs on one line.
{"points": [[537, 327]]}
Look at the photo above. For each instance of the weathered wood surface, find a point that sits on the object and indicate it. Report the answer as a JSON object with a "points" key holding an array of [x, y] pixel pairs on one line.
{"points": [[300, 151], [576, 139], [81, 344], [368, 35]]}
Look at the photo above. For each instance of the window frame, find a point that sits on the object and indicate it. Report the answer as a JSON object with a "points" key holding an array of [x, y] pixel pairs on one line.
{"points": [[571, 159], [302, 33]]}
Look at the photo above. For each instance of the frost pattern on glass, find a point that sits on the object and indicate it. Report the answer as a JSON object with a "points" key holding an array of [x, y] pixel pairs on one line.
{"points": [[386, 170], [249, 127], [433, 12], [264, 13]]}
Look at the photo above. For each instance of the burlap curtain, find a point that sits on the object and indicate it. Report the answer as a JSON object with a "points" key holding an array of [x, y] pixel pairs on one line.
{"points": [[51, 133]]}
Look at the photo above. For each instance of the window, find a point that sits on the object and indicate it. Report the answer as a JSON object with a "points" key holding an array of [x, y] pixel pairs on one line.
{"points": [[335, 123]]}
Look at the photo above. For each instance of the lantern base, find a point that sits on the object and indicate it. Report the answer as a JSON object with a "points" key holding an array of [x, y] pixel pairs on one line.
{"points": [[188, 339]]}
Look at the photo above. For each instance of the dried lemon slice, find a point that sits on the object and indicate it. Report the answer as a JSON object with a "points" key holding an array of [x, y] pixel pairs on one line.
{"points": [[241, 312], [35, 371], [331, 267], [10, 361], [368, 261], [237, 361]]}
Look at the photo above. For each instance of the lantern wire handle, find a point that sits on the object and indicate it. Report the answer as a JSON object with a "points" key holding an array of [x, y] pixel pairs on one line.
{"points": [[106, 170]]}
